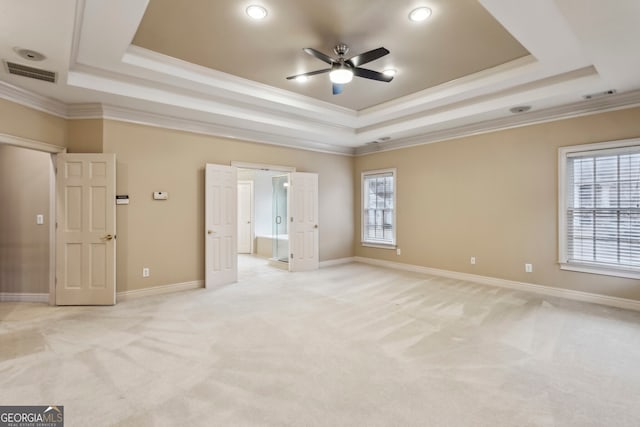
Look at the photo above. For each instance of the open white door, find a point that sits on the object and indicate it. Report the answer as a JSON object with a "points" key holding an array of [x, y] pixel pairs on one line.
{"points": [[245, 217], [86, 229], [221, 227], [303, 230]]}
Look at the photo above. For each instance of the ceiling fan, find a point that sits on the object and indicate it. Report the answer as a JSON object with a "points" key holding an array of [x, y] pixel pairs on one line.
{"points": [[342, 70]]}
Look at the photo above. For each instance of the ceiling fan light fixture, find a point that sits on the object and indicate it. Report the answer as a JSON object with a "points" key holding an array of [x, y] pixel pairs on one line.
{"points": [[419, 14], [390, 72], [256, 12], [341, 75], [302, 79]]}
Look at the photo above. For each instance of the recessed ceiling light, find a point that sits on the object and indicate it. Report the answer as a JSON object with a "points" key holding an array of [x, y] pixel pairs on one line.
{"points": [[256, 12], [390, 72], [419, 14], [302, 79]]}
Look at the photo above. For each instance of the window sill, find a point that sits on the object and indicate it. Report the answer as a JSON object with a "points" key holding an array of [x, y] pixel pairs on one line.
{"points": [[379, 245], [596, 269]]}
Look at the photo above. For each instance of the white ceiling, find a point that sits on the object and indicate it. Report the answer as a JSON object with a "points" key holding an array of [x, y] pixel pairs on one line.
{"points": [[576, 47]]}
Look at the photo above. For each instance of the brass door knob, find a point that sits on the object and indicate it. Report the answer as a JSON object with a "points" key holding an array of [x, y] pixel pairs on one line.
{"points": [[210, 232], [108, 237]]}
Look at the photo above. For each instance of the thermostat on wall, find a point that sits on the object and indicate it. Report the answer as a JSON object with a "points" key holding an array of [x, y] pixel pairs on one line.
{"points": [[160, 195]]}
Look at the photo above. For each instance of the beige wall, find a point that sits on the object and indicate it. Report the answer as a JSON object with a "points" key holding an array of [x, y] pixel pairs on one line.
{"points": [[168, 236], [84, 136], [492, 196], [28, 123], [24, 246]]}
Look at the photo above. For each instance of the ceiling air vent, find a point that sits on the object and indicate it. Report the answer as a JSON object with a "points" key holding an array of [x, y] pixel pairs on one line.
{"points": [[32, 73]]}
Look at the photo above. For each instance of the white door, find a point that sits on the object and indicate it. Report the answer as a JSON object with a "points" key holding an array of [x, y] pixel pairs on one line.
{"points": [[245, 217], [86, 229], [221, 228], [303, 230]]}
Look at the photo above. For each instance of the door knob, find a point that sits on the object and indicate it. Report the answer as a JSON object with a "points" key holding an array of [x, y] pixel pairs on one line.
{"points": [[108, 237], [210, 232], [315, 226]]}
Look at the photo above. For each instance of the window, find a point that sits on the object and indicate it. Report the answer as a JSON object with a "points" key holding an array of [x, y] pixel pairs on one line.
{"points": [[600, 208], [378, 208]]}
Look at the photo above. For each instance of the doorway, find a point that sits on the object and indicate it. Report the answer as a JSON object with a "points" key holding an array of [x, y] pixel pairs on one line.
{"points": [[262, 200], [221, 221], [27, 261]]}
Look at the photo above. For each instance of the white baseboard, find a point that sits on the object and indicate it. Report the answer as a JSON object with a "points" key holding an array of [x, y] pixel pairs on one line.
{"points": [[22, 297], [159, 290], [337, 261], [625, 303]]}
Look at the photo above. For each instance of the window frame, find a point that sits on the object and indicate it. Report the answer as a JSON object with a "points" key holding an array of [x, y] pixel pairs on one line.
{"points": [[363, 240], [585, 267]]}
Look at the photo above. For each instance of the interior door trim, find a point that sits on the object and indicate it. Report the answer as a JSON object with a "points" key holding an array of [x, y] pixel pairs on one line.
{"points": [[32, 144]]}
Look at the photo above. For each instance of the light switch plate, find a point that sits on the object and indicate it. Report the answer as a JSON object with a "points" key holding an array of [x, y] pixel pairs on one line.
{"points": [[39, 219]]}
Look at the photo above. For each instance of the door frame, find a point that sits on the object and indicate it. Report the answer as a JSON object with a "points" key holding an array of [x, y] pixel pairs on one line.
{"points": [[32, 144]]}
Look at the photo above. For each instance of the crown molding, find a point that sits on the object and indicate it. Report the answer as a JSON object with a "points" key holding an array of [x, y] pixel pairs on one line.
{"points": [[500, 77], [85, 111], [122, 114], [238, 89], [577, 109], [32, 100], [109, 112]]}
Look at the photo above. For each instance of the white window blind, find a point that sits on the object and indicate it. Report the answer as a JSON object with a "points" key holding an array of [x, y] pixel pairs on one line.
{"points": [[603, 208], [378, 201]]}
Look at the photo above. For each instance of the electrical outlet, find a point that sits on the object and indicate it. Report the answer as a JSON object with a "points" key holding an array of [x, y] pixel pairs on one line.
{"points": [[398, 252], [528, 268], [473, 260], [145, 272]]}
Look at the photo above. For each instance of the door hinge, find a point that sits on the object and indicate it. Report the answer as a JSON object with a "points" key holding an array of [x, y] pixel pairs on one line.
{"points": [[291, 219], [291, 256]]}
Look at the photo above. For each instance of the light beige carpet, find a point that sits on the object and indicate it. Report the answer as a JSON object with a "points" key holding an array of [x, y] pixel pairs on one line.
{"points": [[351, 345]]}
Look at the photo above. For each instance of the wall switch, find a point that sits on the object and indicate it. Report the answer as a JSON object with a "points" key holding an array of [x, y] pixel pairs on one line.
{"points": [[145, 272], [473, 260], [398, 252], [528, 268], [40, 219]]}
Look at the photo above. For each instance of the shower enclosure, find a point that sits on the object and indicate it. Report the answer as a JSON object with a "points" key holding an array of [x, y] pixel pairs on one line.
{"points": [[280, 218]]}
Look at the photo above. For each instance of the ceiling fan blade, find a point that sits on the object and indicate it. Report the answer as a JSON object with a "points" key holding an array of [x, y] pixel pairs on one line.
{"points": [[369, 56], [310, 73], [321, 56], [337, 88], [370, 74]]}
